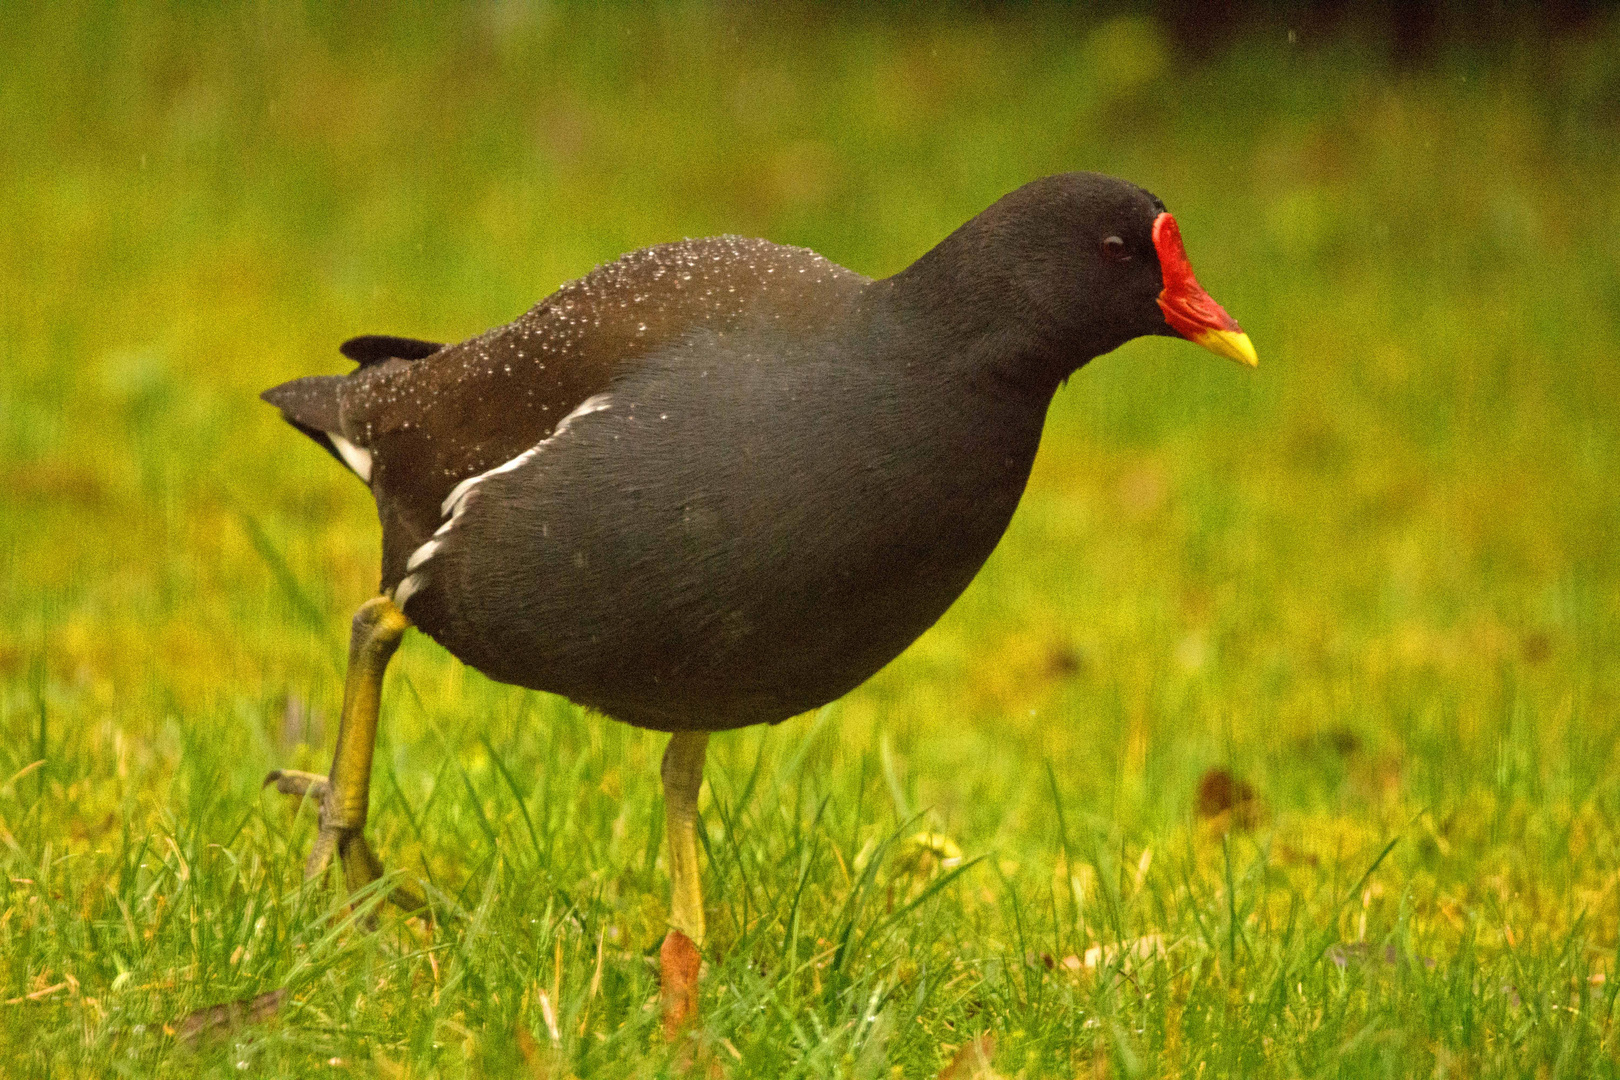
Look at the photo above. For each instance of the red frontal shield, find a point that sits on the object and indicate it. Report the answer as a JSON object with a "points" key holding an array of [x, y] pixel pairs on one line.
{"points": [[1188, 308]]}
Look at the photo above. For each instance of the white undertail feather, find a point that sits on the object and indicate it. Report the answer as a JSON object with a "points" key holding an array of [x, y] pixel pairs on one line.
{"points": [[355, 457]]}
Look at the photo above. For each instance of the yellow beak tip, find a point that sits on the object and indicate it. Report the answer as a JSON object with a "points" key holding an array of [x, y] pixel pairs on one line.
{"points": [[1232, 344]]}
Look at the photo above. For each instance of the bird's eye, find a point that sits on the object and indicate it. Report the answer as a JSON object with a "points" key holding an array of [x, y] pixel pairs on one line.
{"points": [[1114, 248]]}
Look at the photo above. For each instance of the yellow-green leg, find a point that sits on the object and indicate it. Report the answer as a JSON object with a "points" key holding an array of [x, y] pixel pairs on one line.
{"points": [[679, 959], [344, 794]]}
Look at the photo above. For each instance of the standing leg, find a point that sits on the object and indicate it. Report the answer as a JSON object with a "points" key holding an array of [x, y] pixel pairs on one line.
{"points": [[679, 959], [344, 794]]}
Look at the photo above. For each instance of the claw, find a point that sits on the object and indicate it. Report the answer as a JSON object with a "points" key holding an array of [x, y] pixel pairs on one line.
{"points": [[360, 864], [342, 796]]}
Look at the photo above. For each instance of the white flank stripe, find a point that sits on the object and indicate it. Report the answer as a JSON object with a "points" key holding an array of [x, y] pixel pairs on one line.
{"points": [[407, 589], [421, 555], [355, 457], [455, 500]]}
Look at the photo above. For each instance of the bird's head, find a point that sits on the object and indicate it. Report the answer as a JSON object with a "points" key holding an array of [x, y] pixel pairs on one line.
{"points": [[1091, 261]]}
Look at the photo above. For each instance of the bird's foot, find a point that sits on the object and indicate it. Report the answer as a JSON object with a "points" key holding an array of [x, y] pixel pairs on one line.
{"points": [[678, 965], [342, 834]]}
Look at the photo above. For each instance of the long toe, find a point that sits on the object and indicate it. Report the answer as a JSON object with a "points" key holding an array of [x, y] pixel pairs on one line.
{"points": [[294, 782], [360, 864], [317, 789], [320, 855], [329, 841], [361, 867]]}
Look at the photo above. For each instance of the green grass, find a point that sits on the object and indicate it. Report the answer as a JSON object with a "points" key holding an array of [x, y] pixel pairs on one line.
{"points": [[1378, 579]]}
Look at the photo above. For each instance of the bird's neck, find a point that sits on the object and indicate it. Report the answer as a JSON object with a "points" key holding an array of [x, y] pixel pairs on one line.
{"points": [[968, 312]]}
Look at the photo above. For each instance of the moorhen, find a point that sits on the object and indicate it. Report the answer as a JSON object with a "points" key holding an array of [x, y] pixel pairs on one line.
{"points": [[722, 482]]}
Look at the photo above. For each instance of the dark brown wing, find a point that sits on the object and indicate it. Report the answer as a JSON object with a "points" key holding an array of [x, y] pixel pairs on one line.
{"points": [[431, 423]]}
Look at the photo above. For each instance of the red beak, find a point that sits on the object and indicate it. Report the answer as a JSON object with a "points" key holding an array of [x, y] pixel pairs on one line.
{"points": [[1190, 311]]}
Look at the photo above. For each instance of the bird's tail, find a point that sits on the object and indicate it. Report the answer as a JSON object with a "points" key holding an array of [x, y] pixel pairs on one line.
{"points": [[312, 405]]}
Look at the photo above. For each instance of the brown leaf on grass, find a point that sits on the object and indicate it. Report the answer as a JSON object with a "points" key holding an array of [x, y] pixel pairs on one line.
{"points": [[1221, 793], [1289, 855], [678, 965], [38, 995], [1064, 661], [192, 1026], [972, 1062], [57, 482], [539, 1061], [528, 1048], [1536, 648]]}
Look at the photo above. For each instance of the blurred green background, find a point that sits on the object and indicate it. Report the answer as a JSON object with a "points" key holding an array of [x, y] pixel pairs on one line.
{"points": [[1376, 581]]}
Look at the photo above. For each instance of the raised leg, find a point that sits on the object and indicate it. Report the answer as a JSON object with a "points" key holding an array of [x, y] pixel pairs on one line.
{"points": [[344, 794], [679, 959]]}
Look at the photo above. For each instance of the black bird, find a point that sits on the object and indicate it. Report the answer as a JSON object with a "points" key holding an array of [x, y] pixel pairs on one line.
{"points": [[722, 482]]}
